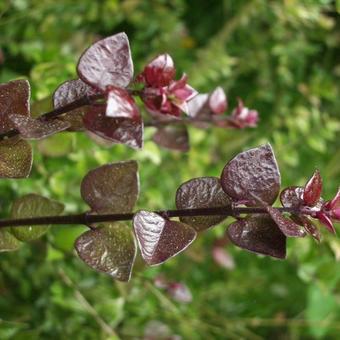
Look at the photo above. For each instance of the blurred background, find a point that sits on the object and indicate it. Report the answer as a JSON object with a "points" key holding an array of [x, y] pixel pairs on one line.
{"points": [[281, 58]]}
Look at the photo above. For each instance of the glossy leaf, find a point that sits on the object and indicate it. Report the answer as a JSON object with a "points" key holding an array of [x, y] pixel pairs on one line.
{"points": [[202, 192], [259, 235], [111, 188], [33, 205], [252, 173], [120, 104], [37, 129], [287, 226], [67, 93], [117, 130], [107, 62], [218, 101], [14, 99], [326, 221], [8, 242], [160, 239], [312, 190], [16, 158], [160, 71], [173, 137], [110, 249], [292, 197], [308, 225]]}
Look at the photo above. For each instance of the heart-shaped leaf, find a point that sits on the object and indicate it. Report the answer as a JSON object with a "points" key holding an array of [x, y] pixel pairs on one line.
{"points": [[107, 62], [33, 205], [37, 129], [118, 130], [202, 192], [291, 197], [16, 158], [173, 137], [160, 239], [252, 173], [8, 242], [121, 105], [287, 226], [312, 190], [15, 97], [110, 249], [67, 93], [259, 235], [111, 188]]}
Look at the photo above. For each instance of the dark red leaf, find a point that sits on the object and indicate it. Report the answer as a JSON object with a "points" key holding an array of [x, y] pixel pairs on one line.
{"points": [[110, 249], [117, 130], [287, 226], [120, 104], [107, 62], [326, 221], [67, 93], [259, 235], [218, 101], [173, 137], [252, 173], [160, 239], [312, 190], [292, 197], [160, 71], [37, 129], [111, 188], [14, 99], [308, 225], [202, 192]]}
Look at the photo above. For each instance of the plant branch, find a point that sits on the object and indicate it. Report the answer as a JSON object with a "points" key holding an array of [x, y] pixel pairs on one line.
{"points": [[87, 218]]}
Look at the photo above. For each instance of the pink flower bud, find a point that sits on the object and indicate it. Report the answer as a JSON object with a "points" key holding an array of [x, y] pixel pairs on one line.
{"points": [[218, 101]]}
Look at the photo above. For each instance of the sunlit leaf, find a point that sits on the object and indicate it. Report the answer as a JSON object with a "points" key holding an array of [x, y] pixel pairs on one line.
{"points": [[110, 249], [202, 192], [287, 226], [259, 235], [37, 129], [16, 158], [14, 99], [8, 242], [252, 173], [173, 137], [160, 239], [33, 205], [120, 104], [312, 190], [107, 62], [111, 188], [118, 130]]}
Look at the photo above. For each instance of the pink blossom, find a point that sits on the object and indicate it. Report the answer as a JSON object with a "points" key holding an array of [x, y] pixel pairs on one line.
{"points": [[242, 116]]}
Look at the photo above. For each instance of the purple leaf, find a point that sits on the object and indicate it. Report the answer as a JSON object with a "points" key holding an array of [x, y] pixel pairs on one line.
{"points": [[110, 249], [218, 101], [67, 93], [15, 97], [173, 137], [202, 192], [326, 221], [252, 173], [308, 225], [288, 227], [117, 130], [107, 62], [259, 235], [121, 105], [160, 71], [37, 129], [111, 188], [291, 197], [160, 239], [312, 190], [16, 158]]}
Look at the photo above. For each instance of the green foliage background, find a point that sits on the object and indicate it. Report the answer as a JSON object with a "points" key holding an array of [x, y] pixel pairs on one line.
{"points": [[280, 57]]}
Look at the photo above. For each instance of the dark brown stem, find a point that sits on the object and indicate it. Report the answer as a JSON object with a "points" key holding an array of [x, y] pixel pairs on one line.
{"points": [[87, 219]]}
